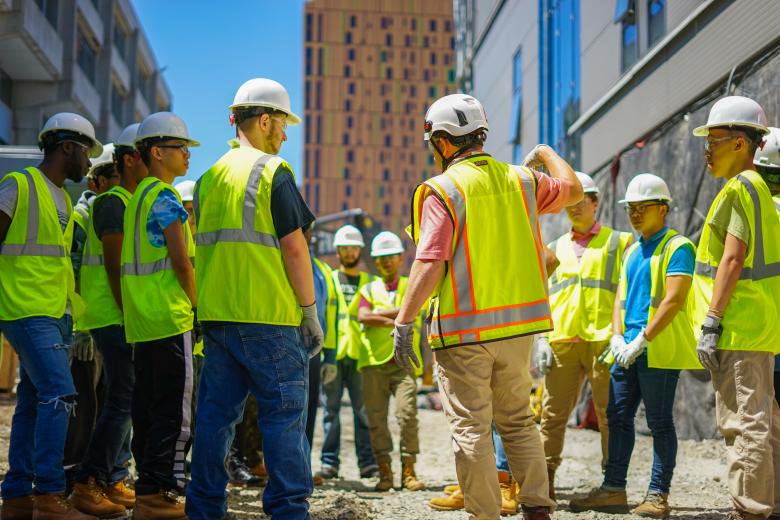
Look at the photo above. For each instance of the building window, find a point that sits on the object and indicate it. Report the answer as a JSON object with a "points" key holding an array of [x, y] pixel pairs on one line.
{"points": [[433, 58], [351, 54], [318, 96], [426, 41], [309, 57], [447, 26], [412, 90], [320, 60], [347, 190], [319, 130], [388, 140], [307, 96], [347, 71], [381, 192], [432, 91], [387, 210], [348, 38], [49, 10], [117, 104], [386, 175], [350, 156], [432, 25], [351, 88], [5, 88], [346, 173], [349, 121], [625, 14], [309, 22], [408, 41], [317, 198], [345, 139], [516, 119], [389, 73], [387, 110], [87, 56], [389, 40], [120, 39], [451, 75], [656, 21], [347, 105], [353, 21], [414, 24], [382, 56]]}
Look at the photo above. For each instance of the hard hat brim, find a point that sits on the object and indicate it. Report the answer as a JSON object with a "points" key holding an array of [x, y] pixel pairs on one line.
{"points": [[192, 143], [391, 252], [96, 150], [350, 243], [704, 130], [591, 190], [643, 199], [292, 119]]}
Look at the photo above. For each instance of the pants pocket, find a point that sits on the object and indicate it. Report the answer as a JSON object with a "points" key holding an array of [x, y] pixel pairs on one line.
{"points": [[293, 394]]}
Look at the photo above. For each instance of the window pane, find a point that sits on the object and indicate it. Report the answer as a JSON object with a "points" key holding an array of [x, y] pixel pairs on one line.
{"points": [[630, 50], [86, 57], [656, 23]]}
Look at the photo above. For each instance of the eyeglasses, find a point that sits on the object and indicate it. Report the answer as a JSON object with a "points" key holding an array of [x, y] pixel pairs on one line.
{"points": [[640, 209], [283, 122], [84, 148], [710, 142], [182, 147]]}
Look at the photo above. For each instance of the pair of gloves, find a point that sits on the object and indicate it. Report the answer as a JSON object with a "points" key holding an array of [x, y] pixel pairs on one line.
{"points": [[626, 353]]}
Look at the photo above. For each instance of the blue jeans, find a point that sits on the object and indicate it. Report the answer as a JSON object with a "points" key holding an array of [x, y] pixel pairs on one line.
{"points": [[271, 362], [44, 400], [109, 449], [656, 387], [348, 377], [502, 464]]}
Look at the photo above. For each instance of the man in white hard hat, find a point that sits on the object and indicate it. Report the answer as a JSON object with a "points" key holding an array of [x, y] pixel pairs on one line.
{"points": [[737, 279], [186, 191], [582, 295], [651, 342], [261, 327], [342, 372], [379, 303], [479, 218], [36, 229], [159, 307]]}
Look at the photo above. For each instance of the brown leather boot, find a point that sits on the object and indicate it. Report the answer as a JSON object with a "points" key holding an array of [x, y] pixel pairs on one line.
{"points": [[551, 480], [409, 477], [19, 508], [54, 506], [508, 490], [90, 498], [164, 505], [119, 493], [385, 477], [451, 502]]}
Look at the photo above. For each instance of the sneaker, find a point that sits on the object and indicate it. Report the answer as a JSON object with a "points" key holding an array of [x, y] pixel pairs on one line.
{"points": [[119, 493], [19, 508], [164, 505], [328, 472], [54, 506], [601, 500], [371, 471], [452, 502], [655, 505], [90, 498]]}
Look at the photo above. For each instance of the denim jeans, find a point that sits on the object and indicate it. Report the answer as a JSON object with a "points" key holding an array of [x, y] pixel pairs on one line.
{"points": [[44, 401], [271, 362], [109, 450], [348, 377], [502, 464], [656, 387]]}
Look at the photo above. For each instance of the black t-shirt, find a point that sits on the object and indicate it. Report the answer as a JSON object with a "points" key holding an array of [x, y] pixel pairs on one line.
{"points": [[108, 215], [288, 209], [349, 286]]}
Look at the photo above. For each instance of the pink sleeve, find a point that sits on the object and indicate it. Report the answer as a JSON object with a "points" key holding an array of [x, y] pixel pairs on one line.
{"points": [[551, 194], [364, 304], [436, 231]]}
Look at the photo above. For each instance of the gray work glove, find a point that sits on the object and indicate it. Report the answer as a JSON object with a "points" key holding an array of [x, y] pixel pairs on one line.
{"points": [[83, 346], [632, 351], [543, 356], [311, 330], [403, 349], [707, 347], [328, 373]]}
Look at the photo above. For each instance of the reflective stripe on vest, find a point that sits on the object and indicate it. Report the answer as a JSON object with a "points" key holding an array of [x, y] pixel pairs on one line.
{"points": [[606, 284]]}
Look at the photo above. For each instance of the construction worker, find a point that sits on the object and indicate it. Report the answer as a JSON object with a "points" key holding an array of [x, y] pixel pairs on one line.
{"points": [[259, 310], [489, 300], [343, 373], [36, 229], [100, 483], [736, 280], [159, 302], [582, 296], [651, 343], [186, 191], [379, 301]]}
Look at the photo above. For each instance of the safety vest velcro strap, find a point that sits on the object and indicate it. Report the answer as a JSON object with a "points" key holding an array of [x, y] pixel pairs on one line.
{"points": [[246, 236], [92, 260], [490, 319], [32, 250], [142, 269]]}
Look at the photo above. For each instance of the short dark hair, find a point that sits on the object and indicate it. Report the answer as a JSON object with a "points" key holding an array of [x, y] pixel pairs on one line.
{"points": [[104, 170], [592, 196], [475, 138], [52, 140], [119, 157], [242, 114], [145, 148]]}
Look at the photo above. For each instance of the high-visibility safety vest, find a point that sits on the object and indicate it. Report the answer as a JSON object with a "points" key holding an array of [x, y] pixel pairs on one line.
{"points": [[37, 275], [102, 309], [675, 346], [349, 338], [241, 276], [377, 348], [81, 217], [331, 306], [751, 319], [582, 291], [495, 286], [155, 305], [776, 200]]}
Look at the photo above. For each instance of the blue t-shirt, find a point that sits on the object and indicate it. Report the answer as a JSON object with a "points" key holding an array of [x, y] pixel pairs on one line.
{"points": [[639, 283], [166, 209]]}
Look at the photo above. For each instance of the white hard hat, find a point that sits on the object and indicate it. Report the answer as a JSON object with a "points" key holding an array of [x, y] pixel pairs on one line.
{"points": [[456, 114], [348, 235], [128, 135], [646, 186], [386, 244], [264, 92], [186, 190], [768, 154], [107, 157], [588, 186], [735, 111], [69, 122], [164, 125]]}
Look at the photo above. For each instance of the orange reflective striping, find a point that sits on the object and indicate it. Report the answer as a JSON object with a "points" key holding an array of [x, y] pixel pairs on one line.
{"points": [[496, 326], [535, 220], [493, 309]]}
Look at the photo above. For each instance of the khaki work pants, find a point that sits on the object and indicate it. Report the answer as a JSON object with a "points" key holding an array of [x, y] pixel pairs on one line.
{"points": [[487, 383], [379, 383], [562, 386], [749, 419]]}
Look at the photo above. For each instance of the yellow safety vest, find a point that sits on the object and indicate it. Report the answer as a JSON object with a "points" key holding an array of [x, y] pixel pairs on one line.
{"points": [[331, 306], [582, 291], [81, 217], [348, 334], [37, 275], [675, 346], [155, 305], [495, 286], [751, 319], [241, 276], [102, 309]]}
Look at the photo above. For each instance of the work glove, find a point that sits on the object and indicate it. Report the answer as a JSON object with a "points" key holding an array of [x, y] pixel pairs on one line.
{"points": [[708, 343], [197, 331], [328, 373], [632, 351], [405, 357], [83, 346], [311, 330], [617, 344], [532, 159], [543, 357]]}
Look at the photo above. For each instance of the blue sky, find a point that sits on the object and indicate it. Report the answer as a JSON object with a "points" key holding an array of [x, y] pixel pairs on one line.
{"points": [[208, 49]]}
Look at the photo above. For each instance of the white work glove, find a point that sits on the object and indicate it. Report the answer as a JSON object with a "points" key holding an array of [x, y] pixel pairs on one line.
{"points": [[707, 347], [532, 159], [311, 330], [403, 350], [617, 344], [632, 351], [328, 373], [543, 357], [83, 346]]}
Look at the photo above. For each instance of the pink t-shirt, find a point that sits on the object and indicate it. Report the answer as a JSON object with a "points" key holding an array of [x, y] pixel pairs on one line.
{"points": [[436, 228], [581, 240], [391, 288]]}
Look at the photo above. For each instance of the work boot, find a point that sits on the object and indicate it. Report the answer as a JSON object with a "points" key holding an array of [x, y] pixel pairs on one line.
{"points": [[55, 506], [259, 470], [328, 472], [409, 477], [452, 488], [19, 508], [164, 505], [508, 493], [536, 513], [370, 471], [601, 500], [239, 473], [655, 505], [119, 493], [451, 502], [90, 498], [551, 480], [385, 477], [317, 480]]}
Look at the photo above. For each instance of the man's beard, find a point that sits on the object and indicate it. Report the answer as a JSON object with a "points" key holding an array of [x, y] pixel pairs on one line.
{"points": [[351, 264]]}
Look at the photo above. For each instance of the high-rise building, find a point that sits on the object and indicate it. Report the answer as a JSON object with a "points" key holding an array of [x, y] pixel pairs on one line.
{"points": [[372, 68]]}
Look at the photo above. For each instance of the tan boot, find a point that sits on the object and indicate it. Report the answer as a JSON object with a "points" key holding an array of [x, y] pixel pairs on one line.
{"points": [[385, 477], [451, 502], [409, 477], [54, 506], [551, 483], [20, 508], [119, 493], [90, 498], [601, 500], [508, 489], [655, 505], [160, 506], [452, 488]]}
